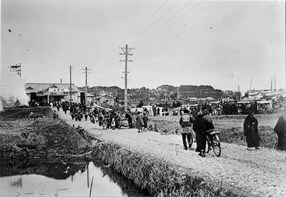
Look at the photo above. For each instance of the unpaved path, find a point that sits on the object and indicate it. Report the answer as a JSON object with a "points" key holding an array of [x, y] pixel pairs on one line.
{"points": [[255, 173]]}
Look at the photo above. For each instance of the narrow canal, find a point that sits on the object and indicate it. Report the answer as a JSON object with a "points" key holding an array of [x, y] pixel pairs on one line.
{"points": [[62, 179]]}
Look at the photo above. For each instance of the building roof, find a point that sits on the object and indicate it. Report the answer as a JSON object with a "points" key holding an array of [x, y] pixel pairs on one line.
{"points": [[36, 87], [105, 95], [88, 95]]}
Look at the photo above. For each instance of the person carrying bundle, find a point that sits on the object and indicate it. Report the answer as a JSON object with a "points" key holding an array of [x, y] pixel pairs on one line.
{"points": [[186, 122]]}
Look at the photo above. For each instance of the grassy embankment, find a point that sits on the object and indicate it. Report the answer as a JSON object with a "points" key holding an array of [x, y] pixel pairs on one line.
{"points": [[158, 177]]}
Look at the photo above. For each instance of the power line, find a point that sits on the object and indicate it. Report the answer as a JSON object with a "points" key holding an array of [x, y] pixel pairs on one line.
{"points": [[176, 29], [157, 19], [172, 18], [169, 26], [141, 26]]}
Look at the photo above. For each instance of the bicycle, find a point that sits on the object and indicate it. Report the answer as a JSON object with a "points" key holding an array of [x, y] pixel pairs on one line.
{"points": [[213, 141]]}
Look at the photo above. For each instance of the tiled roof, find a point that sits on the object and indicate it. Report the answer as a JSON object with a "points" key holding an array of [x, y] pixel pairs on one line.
{"points": [[36, 87]]}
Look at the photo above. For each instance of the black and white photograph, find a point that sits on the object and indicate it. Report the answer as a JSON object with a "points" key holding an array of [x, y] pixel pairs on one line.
{"points": [[134, 98]]}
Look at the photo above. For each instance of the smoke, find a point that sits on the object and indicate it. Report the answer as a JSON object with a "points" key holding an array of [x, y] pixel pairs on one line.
{"points": [[12, 89]]}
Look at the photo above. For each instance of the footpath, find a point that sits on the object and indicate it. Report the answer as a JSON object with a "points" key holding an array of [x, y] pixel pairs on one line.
{"points": [[251, 173]]}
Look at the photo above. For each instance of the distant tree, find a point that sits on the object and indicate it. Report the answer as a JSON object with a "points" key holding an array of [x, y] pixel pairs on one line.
{"points": [[174, 95], [140, 104]]}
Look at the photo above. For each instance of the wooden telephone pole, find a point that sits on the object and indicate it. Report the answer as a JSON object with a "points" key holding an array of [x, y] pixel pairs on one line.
{"points": [[70, 84], [86, 69], [126, 53]]}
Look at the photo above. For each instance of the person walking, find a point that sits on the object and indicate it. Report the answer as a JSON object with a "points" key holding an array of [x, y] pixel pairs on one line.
{"points": [[250, 126], [200, 126], [186, 122], [280, 130], [139, 122], [129, 118], [145, 121]]}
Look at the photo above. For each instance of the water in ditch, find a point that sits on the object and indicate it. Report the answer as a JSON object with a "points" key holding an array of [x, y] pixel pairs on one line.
{"points": [[62, 179]]}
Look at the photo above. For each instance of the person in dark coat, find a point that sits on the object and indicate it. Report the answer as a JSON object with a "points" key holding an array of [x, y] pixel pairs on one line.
{"points": [[139, 122], [145, 121], [280, 130], [158, 111], [250, 126], [107, 118], [129, 118], [201, 126], [186, 122]]}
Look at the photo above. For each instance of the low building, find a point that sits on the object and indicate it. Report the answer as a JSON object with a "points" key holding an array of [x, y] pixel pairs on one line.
{"points": [[44, 93], [105, 100], [89, 98]]}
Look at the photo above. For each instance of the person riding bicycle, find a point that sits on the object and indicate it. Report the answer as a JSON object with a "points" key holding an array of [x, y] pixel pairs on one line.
{"points": [[186, 122]]}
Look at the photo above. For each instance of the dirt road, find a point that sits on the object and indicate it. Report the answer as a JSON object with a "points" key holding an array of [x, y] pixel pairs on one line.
{"points": [[253, 173]]}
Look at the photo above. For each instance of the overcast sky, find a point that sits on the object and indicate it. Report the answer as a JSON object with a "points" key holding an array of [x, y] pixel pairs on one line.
{"points": [[224, 44]]}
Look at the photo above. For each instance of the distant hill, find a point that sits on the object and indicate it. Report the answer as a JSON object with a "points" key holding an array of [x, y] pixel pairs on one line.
{"points": [[201, 91], [185, 91]]}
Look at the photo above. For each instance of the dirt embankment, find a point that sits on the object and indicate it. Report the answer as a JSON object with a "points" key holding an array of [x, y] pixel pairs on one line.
{"points": [[24, 138]]}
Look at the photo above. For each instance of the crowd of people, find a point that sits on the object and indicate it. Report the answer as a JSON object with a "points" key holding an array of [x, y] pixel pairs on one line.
{"points": [[195, 123], [106, 118]]}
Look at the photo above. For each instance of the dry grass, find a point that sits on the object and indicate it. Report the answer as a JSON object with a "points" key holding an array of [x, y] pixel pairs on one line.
{"points": [[158, 177]]}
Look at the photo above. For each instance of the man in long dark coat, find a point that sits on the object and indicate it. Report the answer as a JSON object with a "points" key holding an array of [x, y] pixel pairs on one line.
{"points": [[280, 130], [250, 126], [139, 122], [201, 126]]}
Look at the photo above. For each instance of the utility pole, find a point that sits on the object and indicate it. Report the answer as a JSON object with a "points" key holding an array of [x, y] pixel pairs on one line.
{"points": [[86, 69], [126, 53], [250, 84], [70, 85], [274, 82], [17, 68]]}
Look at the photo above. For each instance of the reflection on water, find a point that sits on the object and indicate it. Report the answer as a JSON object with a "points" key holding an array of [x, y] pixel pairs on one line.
{"points": [[64, 179], [17, 182]]}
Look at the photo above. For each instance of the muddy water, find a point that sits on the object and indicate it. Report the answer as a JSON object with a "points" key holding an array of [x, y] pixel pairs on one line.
{"points": [[63, 179]]}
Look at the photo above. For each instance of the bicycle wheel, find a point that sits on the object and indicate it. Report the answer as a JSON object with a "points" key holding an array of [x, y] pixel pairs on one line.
{"points": [[216, 147], [208, 145]]}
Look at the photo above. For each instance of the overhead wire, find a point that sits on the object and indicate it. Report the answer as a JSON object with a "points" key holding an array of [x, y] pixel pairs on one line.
{"points": [[157, 19], [167, 28], [167, 24], [171, 21], [205, 8], [142, 25], [193, 16]]}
